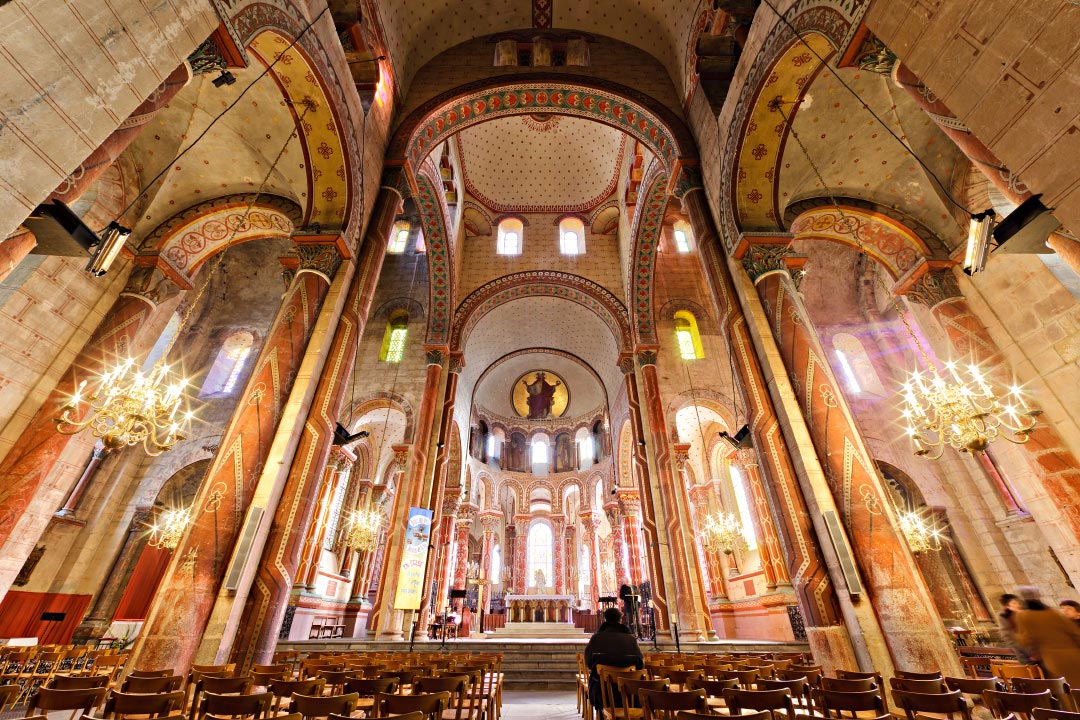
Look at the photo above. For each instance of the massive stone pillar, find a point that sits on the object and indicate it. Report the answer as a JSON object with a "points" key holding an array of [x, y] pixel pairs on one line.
{"points": [[466, 514], [181, 609], [769, 550], [630, 537], [335, 472], [33, 478], [1056, 465], [911, 628], [688, 591], [648, 501], [390, 621], [444, 543]]}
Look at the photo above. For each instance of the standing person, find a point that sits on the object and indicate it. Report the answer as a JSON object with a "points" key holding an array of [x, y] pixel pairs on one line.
{"points": [[611, 644], [1010, 606], [1051, 639], [1071, 610], [629, 595]]}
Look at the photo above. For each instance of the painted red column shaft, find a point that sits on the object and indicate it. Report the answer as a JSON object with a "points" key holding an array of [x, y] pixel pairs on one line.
{"points": [[98, 455], [13, 249], [28, 469], [558, 582], [769, 550], [911, 626], [79, 181], [461, 541], [640, 465], [490, 522], [686, 571], [186, 596]]}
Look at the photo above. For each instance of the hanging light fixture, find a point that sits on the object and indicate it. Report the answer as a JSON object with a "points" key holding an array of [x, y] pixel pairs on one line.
{"points": [[168, 529], [961, 410], [128, 407], [921, 534], [722, 532], [363, 530]]}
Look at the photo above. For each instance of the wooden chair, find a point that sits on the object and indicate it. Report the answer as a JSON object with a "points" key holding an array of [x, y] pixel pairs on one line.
{"points": [[911, 675], [78, 682], [629, 697], [1050, 714], [828, 702], [778, 702], [678, 679], [285, 689], [335, 680], [124, 704], [254, 706], [812, 677], [1020, 704], [662, 705], [313, 706], [974, 686], [134, 684], [581, 684], [110, 665], [935, 685], [745, 678], [800, 691], [456, 686], [46, 699], [608, 676], [860, 675], [405, 678], [276, 667], [686, 715], [403, 716], [947, 704], [848, 684], [714, 690], [167, 672], [1009, 670], [8, 695], [432, 705], [368, 688], [221, 686], [1057, 686]]}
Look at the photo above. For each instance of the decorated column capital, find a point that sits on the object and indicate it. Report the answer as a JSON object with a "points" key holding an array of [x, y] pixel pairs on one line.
{"points": [[341, 459], [148, 282], [401, 455], [933, 287], [682, 454], [451, 502], [761, 259], [745, 457], [321, 258], [435, 355], [646, 357], [626, 363], [491, 521], [456, 363]]}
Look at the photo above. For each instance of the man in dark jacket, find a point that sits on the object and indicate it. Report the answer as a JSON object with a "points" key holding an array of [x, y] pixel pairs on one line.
{"points": [[612, 644]]}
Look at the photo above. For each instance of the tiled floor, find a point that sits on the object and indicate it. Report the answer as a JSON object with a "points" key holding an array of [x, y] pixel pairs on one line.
{"points": [[555, 705]]}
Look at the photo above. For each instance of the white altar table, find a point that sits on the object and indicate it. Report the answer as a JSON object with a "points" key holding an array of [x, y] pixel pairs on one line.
{"points": [[540, 608]]}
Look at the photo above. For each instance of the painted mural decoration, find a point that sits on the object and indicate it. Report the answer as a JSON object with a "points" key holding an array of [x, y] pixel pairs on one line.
{"points": [[540, 395]]}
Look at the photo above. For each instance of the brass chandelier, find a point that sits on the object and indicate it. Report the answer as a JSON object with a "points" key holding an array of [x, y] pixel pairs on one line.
{"points": [[168, 529], [723, 533], [128, 407], [363, 530], [921, 534]]}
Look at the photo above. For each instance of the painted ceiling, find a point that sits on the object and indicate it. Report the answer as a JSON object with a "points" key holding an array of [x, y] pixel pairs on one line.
{"points": [[493, 392], [858, 157], [541, 163], [233, 157], [418, 30]]}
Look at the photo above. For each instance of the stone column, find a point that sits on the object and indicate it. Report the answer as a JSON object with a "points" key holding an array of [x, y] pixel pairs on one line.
{"points": [[33, 477], [589, 523], [915, 638], [391, 622], [14, 248], [101, 612], [812, 565], [335, 471], [99, 453], [1050, 457], [558, 549], [521, 561], [464, 525], [686, 572], [630, 509], [181, 609], [572, 566], [490, 522], [714, 571], [769, 549], [640, 466]]}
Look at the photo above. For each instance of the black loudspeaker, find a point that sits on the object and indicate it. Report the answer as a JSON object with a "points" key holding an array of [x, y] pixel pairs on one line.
{"points": [[458, 594]]}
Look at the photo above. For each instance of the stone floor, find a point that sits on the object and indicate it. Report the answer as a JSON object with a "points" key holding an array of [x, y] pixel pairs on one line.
{"points": [[547, 705]]}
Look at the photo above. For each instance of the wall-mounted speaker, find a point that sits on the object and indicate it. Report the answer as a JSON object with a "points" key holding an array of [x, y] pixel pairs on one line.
{"points": [[243, 548], [843, 553]]}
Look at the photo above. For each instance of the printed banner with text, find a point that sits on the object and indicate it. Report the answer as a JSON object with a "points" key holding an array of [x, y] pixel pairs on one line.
{"points": [[410, 584]]}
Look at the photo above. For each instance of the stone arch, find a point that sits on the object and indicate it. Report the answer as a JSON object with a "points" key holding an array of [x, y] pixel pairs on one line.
{"points": [[645, 231], [191, 237], [379, 400], [702, 316], [388, 308], [547, 283], [529, 351], [712, 399]]}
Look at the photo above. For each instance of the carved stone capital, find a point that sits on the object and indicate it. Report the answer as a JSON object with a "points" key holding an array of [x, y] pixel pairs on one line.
{"points": [[746, 457], [208, 58], [395, 180], [491, 521], [434, 355], [626, 364], [150, 284], [456, 363], [324, 259], [766, 258], [688, 179], [682, 454], [646, 357], [934, 288], [401, 455]]}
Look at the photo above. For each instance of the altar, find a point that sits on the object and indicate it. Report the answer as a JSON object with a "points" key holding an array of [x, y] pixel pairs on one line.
{"points": [[540, 608]]}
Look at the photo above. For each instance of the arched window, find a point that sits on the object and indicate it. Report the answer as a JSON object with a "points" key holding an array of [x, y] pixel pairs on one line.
{"points": [[496, 564], [158, 351], [393, 344], [742, 500], [856, 368], [598, 496], [687, 336], [398, 237], [683, 237], [571, 236], [540, 544], [510, 232], [229, 363], [539, 454]]}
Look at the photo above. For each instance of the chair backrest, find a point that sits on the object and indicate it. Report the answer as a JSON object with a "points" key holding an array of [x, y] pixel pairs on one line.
{"points": [[277, 667], [288, 688], [8, 695], [713, 688], [630, 689], [166, 672], [256, 705], [839, 702], [662, 705], [404, 677], [745, 678], [1057, 686], [848, 684], [121, 704], [48, 699], [974, 686], [938, 703], [226, 685], [1005, 703], [607, 675], [226, 668], [812, 677], [681, 677], [911, 675], [455, 685], [313, 706], [402, 716], [370, 687], [1008, 670], [860, 675], [935, 685], [686, 715], [77, 682], [135, 684], [776, 701], [431, 705], [1051, 714]]}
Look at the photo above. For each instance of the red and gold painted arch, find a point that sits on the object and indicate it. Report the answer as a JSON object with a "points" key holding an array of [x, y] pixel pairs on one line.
{"points": [[886, 240]]}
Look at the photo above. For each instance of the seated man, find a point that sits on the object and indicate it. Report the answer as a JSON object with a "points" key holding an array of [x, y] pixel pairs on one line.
{"points": [[612, 644]]}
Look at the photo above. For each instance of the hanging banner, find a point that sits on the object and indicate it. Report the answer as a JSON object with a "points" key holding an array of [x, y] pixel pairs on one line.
{"points": [[410, 584]]}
